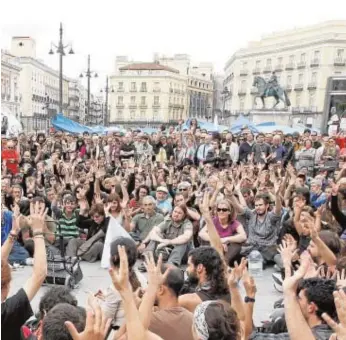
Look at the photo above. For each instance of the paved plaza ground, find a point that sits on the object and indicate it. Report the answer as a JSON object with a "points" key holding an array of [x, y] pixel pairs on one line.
{"points": [[97, 278]]}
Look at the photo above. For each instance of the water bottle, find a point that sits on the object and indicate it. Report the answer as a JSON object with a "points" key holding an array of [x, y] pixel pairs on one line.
{"points": [[255, 261]]}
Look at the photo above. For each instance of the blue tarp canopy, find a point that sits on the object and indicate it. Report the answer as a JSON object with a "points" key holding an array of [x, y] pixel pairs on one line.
{"points": [[240, 123], [209, 126], [268, 127], [60, 122]]}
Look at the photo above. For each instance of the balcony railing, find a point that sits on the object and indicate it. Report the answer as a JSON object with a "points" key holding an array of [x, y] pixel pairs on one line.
{"points": [[120, 106], [133, 90], [156, 90], [339, 61], [143, 106], [120, 89], [256, 70], [288, 87], [133, 106], [312, 86], [289, 66], [279, 67], [241, 92], [315, 62], [244, 72], [267, 69], [156, 105], [298, 87], [143, 89], [301, 64]]}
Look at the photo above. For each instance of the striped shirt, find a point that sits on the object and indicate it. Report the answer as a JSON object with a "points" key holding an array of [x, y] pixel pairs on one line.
{"points": [[68, 226]]}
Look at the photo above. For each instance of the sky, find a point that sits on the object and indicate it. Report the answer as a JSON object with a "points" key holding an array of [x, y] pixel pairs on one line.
{"points": [[206, 30]]}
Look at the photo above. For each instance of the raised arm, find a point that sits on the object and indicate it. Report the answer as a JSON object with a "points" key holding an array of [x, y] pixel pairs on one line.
{"points": [[37, 223]]}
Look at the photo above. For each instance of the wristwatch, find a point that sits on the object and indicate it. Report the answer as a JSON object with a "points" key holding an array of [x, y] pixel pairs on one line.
{"points": [[249, 300]]}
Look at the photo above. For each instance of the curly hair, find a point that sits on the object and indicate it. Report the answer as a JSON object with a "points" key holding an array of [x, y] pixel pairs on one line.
{"points": [[320, 292], [132, 254], [54, 296], [210, 259], [222, 321]]}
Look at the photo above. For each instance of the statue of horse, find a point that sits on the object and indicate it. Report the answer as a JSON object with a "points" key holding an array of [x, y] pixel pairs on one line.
{"points": [[278, 92]]}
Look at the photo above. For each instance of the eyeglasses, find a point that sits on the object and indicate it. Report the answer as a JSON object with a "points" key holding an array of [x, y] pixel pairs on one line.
{"points": [[148, 205], [222, 209], [183, 189]]}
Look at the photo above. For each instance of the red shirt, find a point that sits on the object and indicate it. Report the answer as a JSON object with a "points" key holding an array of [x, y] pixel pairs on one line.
{"points": [[12, 159]]}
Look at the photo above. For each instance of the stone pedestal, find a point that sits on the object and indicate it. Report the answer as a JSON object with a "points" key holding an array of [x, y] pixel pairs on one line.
{"points": [[280, 117]]}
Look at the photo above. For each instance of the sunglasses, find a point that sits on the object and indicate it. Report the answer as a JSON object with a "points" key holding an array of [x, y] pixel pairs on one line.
{"points": [[183, 189], [222, 209]]}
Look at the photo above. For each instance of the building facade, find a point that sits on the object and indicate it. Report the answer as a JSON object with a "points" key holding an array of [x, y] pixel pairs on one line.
{"points": [[77, 101], [303, 60], [10, 95], [146, 92], [38, 87], [199, 78]]}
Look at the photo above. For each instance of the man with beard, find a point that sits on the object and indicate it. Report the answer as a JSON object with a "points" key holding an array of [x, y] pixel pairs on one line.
{"points": [[263, 225], [206, 272]]}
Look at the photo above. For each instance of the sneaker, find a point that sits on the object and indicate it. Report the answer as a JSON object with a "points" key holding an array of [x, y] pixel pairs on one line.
{"points": [[29, 261], [277, 278], [278, 287]]}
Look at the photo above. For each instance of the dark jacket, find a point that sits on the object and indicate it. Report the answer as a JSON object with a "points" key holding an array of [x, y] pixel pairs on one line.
{"points": [[245, 149], [93, 228], [218, 161]]}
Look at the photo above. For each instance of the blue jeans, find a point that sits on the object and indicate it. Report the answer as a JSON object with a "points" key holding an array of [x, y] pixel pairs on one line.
{"points": [[18, 254]]}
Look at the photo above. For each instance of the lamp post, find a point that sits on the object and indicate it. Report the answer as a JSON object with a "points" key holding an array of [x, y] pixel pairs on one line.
{"points": [[107, 90], [225, 93], [61, 51], [89, 74]]}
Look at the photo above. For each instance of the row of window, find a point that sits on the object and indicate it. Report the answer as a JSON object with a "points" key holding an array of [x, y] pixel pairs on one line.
{"points": [[144, 88], [199, 84], [145, 115], [143, 101], [292, 58]]}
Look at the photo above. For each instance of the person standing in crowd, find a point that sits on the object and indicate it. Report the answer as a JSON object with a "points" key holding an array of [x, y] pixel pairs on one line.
{"points": [[245, 148]]}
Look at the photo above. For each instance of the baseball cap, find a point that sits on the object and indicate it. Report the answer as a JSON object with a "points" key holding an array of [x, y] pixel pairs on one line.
{"points": [[162, 189]]}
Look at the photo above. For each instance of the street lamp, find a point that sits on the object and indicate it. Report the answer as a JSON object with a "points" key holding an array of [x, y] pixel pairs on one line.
{"points": [[89, 74], [107, 90], [60, 49], [225, 93]]}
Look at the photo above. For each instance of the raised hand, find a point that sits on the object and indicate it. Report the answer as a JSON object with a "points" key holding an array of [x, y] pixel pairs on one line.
{"points": [[155, 276], [96, 326], [204, 207], [290, 284], [236, 273], [249, 284], [287, 253], [335, 188], [37, 216], [120, 279]]}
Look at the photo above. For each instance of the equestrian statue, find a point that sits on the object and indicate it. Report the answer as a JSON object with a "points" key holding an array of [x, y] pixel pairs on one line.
{"points": [[270, 89]]}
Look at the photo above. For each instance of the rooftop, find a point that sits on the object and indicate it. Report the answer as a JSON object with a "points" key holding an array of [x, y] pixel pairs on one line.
{"points": [[147, 66]]}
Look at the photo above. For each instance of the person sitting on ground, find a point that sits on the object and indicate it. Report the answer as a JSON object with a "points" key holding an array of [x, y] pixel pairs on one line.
{"points": [[143, 223], [91, 249], [173, 237], [231, 232]]}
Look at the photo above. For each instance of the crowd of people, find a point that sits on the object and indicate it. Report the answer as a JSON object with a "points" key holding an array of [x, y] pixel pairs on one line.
{"points": [[189, 208]]}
